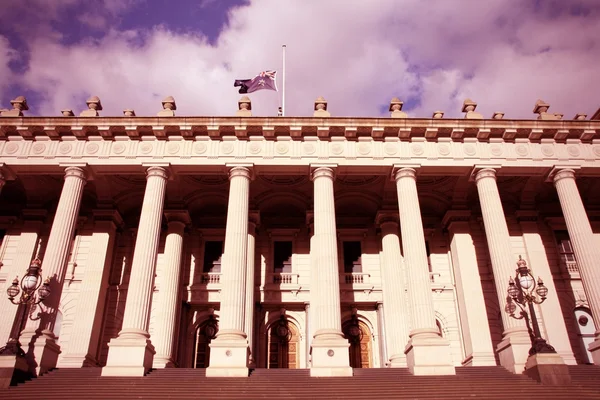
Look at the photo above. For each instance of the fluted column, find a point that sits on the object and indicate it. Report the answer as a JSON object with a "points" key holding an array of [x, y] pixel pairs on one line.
{"points": [[382, 336], [131, 353], [229, 350], [392, 286], [250, 272], [54, 266], [584, 244], [514, 348], [167, 307], [477, 340], [427, 352], [89, 311], [329, 347]]}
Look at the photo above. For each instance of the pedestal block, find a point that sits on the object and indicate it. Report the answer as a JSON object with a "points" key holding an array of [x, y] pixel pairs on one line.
{"points": [[548, 369], [129, 356]]}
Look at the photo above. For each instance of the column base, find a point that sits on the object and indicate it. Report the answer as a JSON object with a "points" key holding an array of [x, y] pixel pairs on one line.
{"points": [[129, 356], [44, 351], [594, 348], [429, 354], [479, 360], [397, 361], [548, 368], [513, 351], [162, 362], [76, 361], [229, 356], [329, 354], [13, 369]]}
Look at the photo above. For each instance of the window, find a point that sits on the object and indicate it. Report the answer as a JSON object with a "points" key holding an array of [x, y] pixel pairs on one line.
{"points": [[565, 251], [282, 257], [428, 256], [352, 257], [2, 234], [213, 251]]}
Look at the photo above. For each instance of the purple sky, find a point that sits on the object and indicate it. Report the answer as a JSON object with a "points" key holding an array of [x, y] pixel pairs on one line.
{"points": [[432, 54]]}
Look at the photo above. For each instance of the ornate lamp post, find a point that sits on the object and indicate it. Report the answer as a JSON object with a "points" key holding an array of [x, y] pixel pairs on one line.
{"points": [[525, 292], [30, 283]]}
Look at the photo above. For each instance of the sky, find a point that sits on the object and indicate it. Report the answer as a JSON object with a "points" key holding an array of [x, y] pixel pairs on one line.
{"points": [[358, 54]]}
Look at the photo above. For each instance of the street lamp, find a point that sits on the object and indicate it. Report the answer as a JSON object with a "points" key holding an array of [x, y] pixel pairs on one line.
{"points": [[30, 283], [525, 292]]}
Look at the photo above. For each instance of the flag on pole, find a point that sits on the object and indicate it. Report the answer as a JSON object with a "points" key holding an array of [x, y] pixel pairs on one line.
{"points": [[264, 80]]}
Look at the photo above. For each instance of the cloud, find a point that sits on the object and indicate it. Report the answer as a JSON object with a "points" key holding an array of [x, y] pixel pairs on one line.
{"points": [[504, 54], [7, 54]]}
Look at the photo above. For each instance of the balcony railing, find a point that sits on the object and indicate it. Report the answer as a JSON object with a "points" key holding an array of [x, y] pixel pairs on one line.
{"points": [[355, 277], [284, 278], [572, 266], [211, 277]]}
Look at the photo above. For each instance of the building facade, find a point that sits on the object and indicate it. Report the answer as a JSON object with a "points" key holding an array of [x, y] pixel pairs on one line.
{"points": [[231, 243]]}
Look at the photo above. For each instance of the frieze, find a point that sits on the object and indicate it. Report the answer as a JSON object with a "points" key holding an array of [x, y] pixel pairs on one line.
{"points": [[260, 150]]}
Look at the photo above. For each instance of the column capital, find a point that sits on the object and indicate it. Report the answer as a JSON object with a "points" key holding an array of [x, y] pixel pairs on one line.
{"points": [[527, 215], [559, 173], [178, 216], [76, 172], [158, 171], [103, 216], [453, 216], [387, 218], [322, 170], [241, 170], [253, 219], [400, 171]]}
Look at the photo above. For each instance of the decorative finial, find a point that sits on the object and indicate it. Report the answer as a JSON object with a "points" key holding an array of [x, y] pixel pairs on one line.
{"points": [[498, 115], [244, 107], [541, 108], [396, 108], [321, 107], [169, 107], [67, 112], [94, 105], [128, 113], [580, 116], [19, 105], [438, 114], [469, 107]]}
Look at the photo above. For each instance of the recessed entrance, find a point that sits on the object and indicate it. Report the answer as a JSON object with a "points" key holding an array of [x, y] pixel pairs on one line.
{"points": [[283, 343]]}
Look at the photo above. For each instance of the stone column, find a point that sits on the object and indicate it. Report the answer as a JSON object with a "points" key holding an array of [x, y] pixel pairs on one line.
{"points": [[168, 304], [329, 347], [513, 350], [87, 322], [45, 350], [131, 353], [427, 353], [250, 272], [2, 181], [477, 339], [308, 327], [393, 287], [229, 350], [585, 246], [556, 330], [382, 336]]}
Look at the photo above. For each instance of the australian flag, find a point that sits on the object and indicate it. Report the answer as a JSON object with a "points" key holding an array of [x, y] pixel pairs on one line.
{"points": [[264, 80]]}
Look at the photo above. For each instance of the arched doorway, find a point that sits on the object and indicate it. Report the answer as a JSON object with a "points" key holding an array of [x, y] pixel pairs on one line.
{"points": [[205, 333], [283, 343], [586, 329], [359, 336]]}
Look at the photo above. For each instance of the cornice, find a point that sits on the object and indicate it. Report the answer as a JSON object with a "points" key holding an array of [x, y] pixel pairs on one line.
{"points": [[189, 128]]}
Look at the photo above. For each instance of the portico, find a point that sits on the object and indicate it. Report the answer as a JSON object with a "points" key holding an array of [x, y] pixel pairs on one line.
{"points": [[205, 242]]}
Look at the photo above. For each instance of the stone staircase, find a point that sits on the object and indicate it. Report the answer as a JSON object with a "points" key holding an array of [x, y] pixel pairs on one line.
{"points": [[469, 383]]}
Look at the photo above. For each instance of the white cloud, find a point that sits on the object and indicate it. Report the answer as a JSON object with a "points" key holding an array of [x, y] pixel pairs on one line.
{"points": [[7, 54], [357, 55]]}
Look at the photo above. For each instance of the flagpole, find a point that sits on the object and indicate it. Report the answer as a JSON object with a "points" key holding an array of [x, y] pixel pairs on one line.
{"points": [[283, 84]]}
